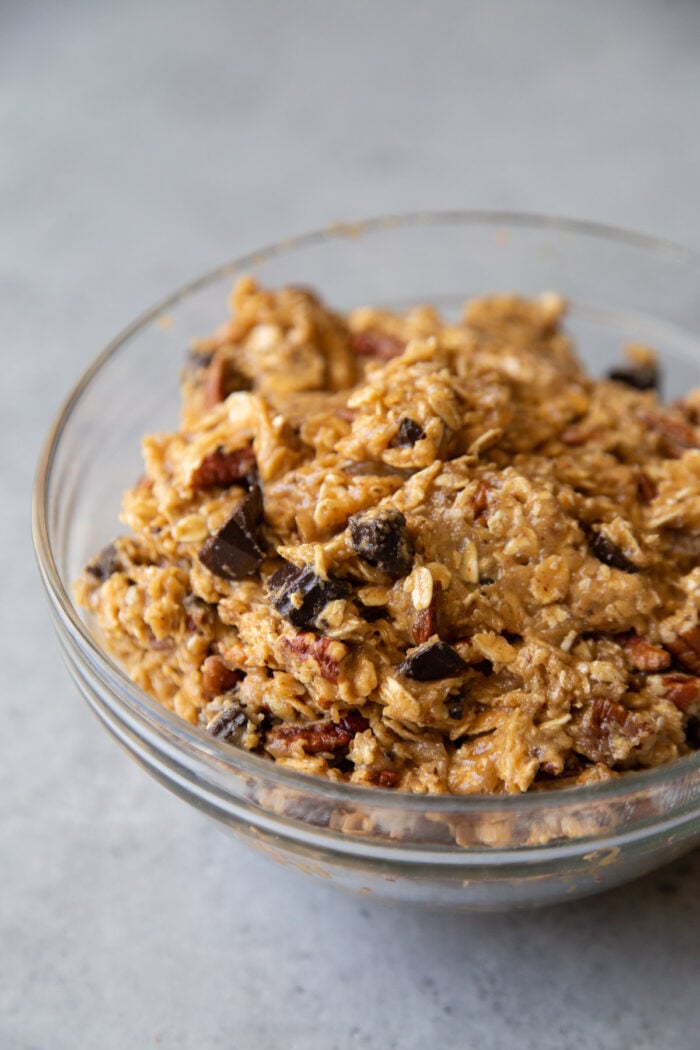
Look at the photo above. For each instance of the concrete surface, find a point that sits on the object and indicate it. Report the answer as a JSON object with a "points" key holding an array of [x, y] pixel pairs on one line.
{"points": [[141, 143]]}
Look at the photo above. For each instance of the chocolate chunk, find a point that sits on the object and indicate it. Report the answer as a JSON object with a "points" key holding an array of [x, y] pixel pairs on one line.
{"points": [[455, 706], [234, 552], [609, 553], [639, 377], [380, 538], [197, 359], [300, 595], [370, 613], [105, 564], [431, 661], [217, 678], [229, 725], [408, 433]]}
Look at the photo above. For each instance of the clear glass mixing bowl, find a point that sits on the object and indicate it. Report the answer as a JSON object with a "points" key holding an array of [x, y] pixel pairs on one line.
{"points": [[470, 852]]}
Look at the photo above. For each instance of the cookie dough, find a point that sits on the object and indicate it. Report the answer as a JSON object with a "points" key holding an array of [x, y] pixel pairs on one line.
{"points": [[426, 556]]}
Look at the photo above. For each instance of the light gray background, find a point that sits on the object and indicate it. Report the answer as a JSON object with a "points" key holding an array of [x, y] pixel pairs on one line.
{"points": [[141, 143]]}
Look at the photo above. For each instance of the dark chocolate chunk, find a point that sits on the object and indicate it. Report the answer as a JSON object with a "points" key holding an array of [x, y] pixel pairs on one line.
{"points": [[380, 538], [431, 661], [105, 564], [197, 359], [639, 377], [234, 552], [455, 706], [300, 595], [408, 433], [370, 613], [609, 553], [692, 732], [229, 725]]}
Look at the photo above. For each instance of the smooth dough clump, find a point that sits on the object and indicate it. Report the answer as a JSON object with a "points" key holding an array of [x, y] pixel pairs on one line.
{"points": [[428, 556]]}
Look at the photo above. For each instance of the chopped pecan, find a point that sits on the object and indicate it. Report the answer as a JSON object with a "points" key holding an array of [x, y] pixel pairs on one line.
{"points": [[318, 648], [686, 649], [315, 737], [641, 655], [385, 778], [576, 436], [217, 678], [222, 468], [379, 345], [676, 435], [214, 383], [480, 500], [426, 624], [683, 690], [608, 730], [646, 488]]}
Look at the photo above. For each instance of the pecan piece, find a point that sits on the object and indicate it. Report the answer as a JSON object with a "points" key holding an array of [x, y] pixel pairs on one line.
{"points": [[217, 678], [608, 730], [426, 624], [641, 655], [385, 778], [214, 383], [315, 737], [379, 345], [221, 468], [676, 435], [646, 488], [686, 649], [683, 690], [480, 500], [576, 436], [324, 651]]}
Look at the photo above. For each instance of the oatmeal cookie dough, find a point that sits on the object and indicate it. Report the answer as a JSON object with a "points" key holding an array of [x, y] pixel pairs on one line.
{"points": [[420, 555]]}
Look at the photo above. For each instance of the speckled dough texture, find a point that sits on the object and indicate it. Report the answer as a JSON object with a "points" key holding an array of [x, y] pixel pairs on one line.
{"points": [[421, 555]]}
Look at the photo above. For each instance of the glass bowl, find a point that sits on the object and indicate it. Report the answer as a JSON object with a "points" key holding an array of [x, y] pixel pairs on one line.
{"points": [[468, 852]]}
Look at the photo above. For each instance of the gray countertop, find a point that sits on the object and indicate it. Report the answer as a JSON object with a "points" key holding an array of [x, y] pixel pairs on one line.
{"points": [[141, 143]]}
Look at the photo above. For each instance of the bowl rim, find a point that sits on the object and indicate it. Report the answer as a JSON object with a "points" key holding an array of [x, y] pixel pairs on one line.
{"points": [[194, 740]]}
